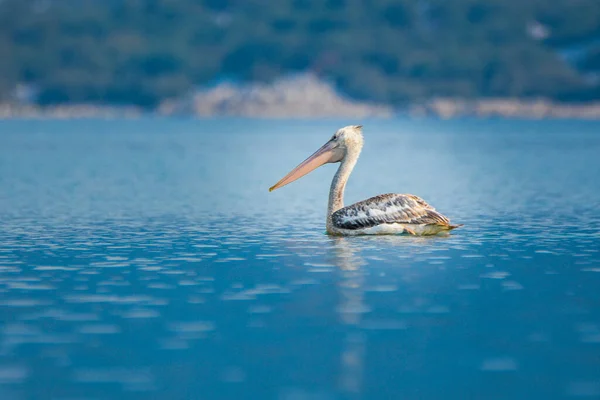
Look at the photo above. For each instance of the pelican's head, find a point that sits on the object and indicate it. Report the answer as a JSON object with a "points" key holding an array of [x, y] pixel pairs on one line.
{"points": [[347, 140]]}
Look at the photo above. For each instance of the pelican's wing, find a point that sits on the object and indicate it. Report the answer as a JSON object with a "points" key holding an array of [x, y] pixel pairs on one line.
{"points": [[388, 209]]}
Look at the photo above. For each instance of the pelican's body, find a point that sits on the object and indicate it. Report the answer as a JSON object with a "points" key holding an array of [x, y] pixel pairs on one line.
{"points": [[379, 215]]}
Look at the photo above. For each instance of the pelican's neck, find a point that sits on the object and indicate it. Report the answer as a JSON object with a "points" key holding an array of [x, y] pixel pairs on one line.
{"points": [[336, 193]]}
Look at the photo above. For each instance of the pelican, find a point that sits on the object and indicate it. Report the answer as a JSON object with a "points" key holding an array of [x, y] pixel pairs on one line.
{"points": [[379, 215]]}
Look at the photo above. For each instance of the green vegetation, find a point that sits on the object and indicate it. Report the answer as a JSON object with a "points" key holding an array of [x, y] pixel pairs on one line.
{"points": [[395, 51]]}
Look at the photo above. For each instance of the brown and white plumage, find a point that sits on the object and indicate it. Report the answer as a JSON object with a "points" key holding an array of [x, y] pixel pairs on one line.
{"points": [[392, 212], [383, 214]]}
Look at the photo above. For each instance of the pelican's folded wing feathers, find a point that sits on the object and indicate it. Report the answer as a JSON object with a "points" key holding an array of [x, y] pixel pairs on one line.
{"points": [[388, 209]]}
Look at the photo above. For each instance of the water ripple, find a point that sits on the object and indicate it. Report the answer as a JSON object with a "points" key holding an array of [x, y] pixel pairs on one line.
{"points": [[179, 274]]}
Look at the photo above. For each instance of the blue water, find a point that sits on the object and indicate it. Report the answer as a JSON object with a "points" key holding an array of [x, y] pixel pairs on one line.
{"points": [[146, 259]]}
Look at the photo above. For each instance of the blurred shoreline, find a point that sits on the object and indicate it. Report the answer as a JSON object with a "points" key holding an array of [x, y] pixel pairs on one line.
{"points": [[306, 96]]}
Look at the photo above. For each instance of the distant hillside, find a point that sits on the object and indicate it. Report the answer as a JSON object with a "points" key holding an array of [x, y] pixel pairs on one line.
{"points": [[142, 52]]}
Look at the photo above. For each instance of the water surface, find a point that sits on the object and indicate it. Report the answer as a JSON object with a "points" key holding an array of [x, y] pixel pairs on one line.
{"points": [[147, 260]]}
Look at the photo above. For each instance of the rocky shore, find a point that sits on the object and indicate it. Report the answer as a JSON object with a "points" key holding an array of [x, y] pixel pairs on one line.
{"points": [[32, 111], [506, 108], [306, 96], [302, 96]]}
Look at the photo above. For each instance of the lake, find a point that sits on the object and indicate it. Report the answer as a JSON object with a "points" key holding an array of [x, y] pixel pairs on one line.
{"points": [[146, 259]]}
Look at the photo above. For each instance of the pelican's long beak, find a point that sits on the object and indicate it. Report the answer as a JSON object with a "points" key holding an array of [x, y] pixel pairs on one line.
{"points": [[329, 153]]}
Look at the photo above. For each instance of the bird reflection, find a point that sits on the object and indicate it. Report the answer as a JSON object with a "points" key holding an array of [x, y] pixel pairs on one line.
{"points": [[345, 255], [350, 310]]}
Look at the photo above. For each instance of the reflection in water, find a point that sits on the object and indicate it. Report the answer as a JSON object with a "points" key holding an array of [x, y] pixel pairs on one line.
{"points": [[350, 309]]}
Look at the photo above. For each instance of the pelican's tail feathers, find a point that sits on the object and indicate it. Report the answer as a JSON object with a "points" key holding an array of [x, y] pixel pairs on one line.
{"points": [[450, 227]]}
